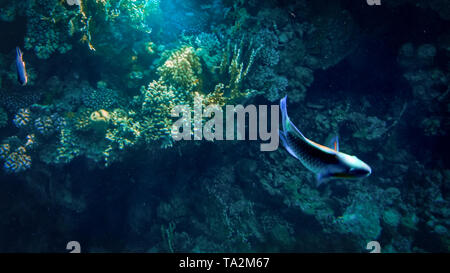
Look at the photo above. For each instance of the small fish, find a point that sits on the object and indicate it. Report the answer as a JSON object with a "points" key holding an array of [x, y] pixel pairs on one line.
{"points": [[327, 163], [22, 76]]}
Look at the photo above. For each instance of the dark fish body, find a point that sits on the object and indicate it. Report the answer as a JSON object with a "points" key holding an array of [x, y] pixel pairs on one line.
{"points": [[312, 158], [22, 76]]}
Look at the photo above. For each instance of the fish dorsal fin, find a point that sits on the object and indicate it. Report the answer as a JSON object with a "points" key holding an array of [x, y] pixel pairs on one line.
{"points": [[333, 142], [288, 126]]}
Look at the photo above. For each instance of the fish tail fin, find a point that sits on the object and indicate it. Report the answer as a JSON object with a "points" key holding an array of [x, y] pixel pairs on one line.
{"points": [[284, 115], [288, 126], [19, 52]]}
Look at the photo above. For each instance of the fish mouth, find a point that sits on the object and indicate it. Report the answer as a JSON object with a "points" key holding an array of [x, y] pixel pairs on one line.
{"points": [[361, 172], [368, 170], [365, 172]]}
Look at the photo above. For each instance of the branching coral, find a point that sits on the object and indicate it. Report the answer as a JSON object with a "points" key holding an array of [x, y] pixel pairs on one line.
{"points": [[167, 235], [17, 161], [208, 48], [13, 102], [134, 12], [123, 132], [103, 24], [14, 153], [138, 12], [157, 100], [49, 124], [100, 98], [81, 119], [269, 83], [67, 148], [265, 77], [234, 67], [22, 118], [182, 70], [180, 83], [48, 28], [52, 23]]}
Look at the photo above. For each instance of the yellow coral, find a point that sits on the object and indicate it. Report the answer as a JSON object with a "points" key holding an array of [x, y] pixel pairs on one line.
{"points": [[82, 119], [217, 96], [125, 131], [180, 83], [182, 69], [149, 47], [100, 116], [237, 70]]}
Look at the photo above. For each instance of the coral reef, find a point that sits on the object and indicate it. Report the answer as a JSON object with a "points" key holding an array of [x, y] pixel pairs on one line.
{"points": [[14, 154], [157, 101], [22, 118], [12, 102], [3, 118], [429, 85], [47, 28], [181, 70], [47, 125], [100, 98]]}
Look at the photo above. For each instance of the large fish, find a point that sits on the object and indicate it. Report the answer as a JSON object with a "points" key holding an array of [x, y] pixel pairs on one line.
{"points": [[22, 76], [327, 163]]}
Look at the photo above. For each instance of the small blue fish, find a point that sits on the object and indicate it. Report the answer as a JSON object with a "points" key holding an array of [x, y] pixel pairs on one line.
{"points": [[327, 163], [22, 76]]}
